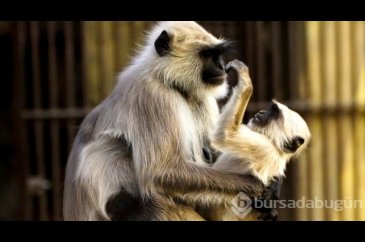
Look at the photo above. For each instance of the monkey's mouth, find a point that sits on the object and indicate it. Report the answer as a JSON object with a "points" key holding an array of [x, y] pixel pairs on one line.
{"points": [[258, 119], [253, 121]]}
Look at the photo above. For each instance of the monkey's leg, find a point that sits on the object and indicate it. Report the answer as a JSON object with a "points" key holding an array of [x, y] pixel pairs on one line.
{"points": [[189, 214], [100, 174], [125, 207]]}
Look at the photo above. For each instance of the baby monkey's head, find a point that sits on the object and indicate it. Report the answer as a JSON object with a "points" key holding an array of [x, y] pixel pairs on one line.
{"points": [[284, 127]]}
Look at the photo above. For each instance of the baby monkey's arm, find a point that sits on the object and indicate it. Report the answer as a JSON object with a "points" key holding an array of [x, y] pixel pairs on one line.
{"points": [[230, 135]]}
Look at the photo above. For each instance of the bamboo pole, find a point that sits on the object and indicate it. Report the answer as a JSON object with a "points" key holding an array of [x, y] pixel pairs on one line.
{"points": [[345, 127], [358, 70], [106, 55], [298, 76], [90, 56], [123, 43], [315, 163], [329, 93], [138, 30]]}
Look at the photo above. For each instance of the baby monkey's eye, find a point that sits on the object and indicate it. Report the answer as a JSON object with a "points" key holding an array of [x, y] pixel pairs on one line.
{"points": [[274, 109]]}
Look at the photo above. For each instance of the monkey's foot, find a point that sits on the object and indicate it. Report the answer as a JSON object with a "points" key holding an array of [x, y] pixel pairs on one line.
{"points": [[266, 213]]}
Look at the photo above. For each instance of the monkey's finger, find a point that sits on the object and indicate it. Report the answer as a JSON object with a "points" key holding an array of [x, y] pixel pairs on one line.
{"points": [[232, 76], [237, 65], [234, 70]]}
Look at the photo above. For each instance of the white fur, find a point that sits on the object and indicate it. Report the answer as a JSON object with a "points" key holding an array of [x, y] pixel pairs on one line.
{"points": [[259, 150]]}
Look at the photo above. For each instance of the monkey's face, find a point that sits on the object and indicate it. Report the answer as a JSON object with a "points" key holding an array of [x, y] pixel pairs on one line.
{"points": [[190, 58], [213, 70], [284, 127]]}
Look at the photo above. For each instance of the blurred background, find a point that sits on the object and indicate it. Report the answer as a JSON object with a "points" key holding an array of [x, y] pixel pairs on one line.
{"points": [[53, 73]]}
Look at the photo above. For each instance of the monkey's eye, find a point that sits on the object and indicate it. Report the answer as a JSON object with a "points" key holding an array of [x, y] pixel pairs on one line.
{"points": [[213, 51], [210, 52]]}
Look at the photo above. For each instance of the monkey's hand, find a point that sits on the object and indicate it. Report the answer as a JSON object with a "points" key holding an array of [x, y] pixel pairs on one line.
{"points": [[264, 204], [234, 110], [239, 77]]}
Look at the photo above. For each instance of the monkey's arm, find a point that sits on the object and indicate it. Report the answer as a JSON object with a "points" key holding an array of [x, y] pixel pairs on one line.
{"points": [[229, 135], [248, 144], [231, 118], [198, 182]]}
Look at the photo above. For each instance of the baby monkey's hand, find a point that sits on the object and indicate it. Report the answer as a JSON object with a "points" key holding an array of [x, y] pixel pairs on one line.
{"points": [[238, 76]]}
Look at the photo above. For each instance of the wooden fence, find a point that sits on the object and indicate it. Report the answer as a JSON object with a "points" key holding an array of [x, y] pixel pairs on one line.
{"points": [[330, 72]]}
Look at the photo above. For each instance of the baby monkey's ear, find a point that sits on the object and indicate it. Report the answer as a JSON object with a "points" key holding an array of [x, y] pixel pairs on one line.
{"points": [[292, 145]]}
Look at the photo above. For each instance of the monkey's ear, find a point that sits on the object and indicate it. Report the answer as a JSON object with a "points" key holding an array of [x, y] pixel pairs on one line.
{"points": [[162, 44], [292, 145]]}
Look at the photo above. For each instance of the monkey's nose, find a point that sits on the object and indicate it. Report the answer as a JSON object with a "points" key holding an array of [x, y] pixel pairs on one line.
{"points": [[259, 115]]}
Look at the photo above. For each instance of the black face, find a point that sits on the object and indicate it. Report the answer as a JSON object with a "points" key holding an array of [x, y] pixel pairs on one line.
{"points": [[264, 117], [213, 70]]}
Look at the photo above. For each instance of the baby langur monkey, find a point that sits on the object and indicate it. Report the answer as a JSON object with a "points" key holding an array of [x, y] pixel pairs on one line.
{"points": [[263, 147]]}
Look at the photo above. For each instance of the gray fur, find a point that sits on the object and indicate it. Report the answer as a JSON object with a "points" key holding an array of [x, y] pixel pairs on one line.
{"points": [[147, 138]]}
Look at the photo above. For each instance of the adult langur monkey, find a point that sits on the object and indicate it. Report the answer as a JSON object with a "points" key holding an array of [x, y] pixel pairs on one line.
{"points": [[263, 147], [142, 147]]}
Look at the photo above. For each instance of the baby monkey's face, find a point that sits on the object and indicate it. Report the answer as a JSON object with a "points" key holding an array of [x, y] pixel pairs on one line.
{"points": [[265, 117], [284, 127]]}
